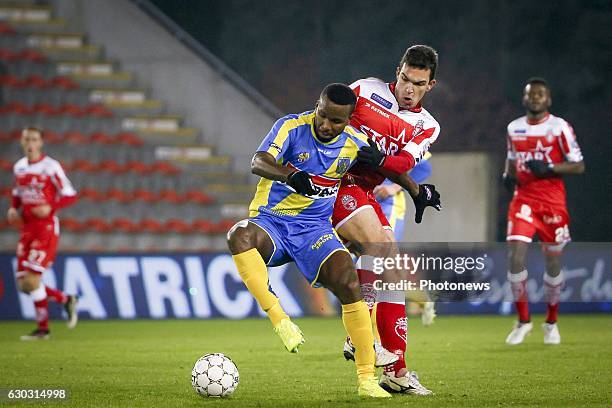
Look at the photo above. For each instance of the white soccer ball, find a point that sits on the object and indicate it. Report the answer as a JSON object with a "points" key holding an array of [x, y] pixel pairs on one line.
{"points": [[214, 375]]}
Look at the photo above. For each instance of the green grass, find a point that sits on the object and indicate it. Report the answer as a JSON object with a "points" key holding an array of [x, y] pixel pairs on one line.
{"points": [[462, 359]]}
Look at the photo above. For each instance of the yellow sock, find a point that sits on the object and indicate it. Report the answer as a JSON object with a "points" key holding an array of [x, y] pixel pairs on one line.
{"points": [[374, 326], [254, 274], [358, 325]]}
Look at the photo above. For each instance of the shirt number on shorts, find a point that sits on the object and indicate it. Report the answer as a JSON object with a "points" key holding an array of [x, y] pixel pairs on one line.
{"points": [[36, 256], [562, 234]]}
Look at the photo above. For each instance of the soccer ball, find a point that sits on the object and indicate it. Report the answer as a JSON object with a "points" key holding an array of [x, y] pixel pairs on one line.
{"points": [[214, 375]]}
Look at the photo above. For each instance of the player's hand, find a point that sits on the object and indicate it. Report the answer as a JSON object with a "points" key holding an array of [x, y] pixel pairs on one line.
{"points": [[42, 211], [300, 181], [382, 192], [12, 216], [427, 197], [509, 182], [371, 156], [540, 168]]}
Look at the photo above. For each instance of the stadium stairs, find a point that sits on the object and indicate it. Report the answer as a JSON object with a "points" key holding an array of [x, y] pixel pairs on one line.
{"points": [[144, 180]]}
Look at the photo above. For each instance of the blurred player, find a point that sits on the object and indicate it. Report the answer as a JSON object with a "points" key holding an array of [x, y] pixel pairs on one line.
{"points": [[392, 200], [401, 132], [541, 149], [301, 162], [41, 188]]}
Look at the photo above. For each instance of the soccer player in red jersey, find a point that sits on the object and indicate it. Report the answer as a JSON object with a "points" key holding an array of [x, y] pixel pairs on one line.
{"points": [[41, 188], [541, 149], [401, 132]]}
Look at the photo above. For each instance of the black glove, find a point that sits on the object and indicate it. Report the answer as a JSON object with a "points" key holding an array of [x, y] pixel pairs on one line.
{"points": [[427, 197], [509, 182], [540, 168], [370, 155], [300, 181]]}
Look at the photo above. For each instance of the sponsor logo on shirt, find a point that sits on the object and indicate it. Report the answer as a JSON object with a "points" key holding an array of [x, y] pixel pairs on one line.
{"points": [[520, 131], [302, 157], [379, 99]]}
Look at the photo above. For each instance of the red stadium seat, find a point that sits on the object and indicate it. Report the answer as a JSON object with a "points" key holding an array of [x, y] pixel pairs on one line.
{"points": [[117, 195], [137, 166], [177, 225], [83, 165], [124, 225], [196, 196], [91, 194], [130, 139], [72, 224], [110, 166], [45, 108], [6, 29], [150, 225], [165, 168], [224, 225], [71, 109], [98, 111], [6, 165], [170, 195], [202, 226], [97, 224], [36, 81], [101, 137], [144, 195], [74, 136], [63, 82]]}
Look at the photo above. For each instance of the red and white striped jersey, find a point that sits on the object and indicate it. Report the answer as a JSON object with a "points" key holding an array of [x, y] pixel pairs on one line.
{"points": [[41, 182], [552, 140], [404, 134]]}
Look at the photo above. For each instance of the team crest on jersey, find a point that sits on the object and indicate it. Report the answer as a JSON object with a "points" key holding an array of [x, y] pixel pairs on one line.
{"points": [[349, 202], [418, 128], [343, 165], [379, 99], [302, 157], [550, 136]]}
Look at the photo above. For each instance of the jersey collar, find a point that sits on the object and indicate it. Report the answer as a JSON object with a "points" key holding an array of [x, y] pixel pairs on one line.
{"points": [[42, 156], [537, 122], [416, 109]]}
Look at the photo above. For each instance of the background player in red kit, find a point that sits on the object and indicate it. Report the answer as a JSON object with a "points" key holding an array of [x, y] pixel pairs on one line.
{"points": [[541, 149], [400, 132], [41, 188]]}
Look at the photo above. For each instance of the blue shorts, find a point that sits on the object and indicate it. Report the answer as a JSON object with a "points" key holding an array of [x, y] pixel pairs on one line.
{"points": [[308, 243], [394, 208]]}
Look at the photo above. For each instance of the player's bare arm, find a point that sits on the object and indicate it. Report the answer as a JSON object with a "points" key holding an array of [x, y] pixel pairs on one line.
{"points": [[265, 165]]}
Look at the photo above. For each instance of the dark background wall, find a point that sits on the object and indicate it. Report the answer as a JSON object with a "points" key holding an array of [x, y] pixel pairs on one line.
{"points": [[289, 50]]}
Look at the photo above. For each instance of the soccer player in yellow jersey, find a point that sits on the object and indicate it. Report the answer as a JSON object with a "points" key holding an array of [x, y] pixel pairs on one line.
{"points": [[301, 162]]}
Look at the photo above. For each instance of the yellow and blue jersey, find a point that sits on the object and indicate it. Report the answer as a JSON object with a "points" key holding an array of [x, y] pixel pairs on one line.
{"points": [[293, 143]]}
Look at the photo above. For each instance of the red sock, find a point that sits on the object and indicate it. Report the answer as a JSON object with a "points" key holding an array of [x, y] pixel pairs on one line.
{"points": [[551, 312], [518, 282], [392, 327], [366, 283], [42, 314], [57, 295]]}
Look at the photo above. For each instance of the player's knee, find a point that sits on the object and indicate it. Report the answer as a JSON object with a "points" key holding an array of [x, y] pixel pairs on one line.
{"points": [[347, 287], [26, 284], [240, 238]]}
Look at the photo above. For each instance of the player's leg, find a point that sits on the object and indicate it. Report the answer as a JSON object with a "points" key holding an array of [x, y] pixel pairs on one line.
{"points": [[250, 244], [30, 282], [337, 273], [521, 229], [555, 235]]}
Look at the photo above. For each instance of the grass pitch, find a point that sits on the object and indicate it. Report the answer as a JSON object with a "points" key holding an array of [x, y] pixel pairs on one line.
{"points": [[462, 359]]}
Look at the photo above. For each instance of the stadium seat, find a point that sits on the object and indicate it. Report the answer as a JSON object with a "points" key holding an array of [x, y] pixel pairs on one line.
{"points": [[198, 197], [71, 224], [141, 194], [91, 194], [177, 225], [124, 225], [150, 225], [97, 224], [202, 226], [170, 196]]}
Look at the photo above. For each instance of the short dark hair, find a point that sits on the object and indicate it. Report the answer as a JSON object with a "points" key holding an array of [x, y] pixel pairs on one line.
{"points": [[422, 57], [32, 128], [538, 81], [340, 94]]}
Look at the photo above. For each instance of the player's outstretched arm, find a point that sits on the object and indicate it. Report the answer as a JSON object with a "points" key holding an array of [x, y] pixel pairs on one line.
{"points": [[569, 168], [423, 195]]}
